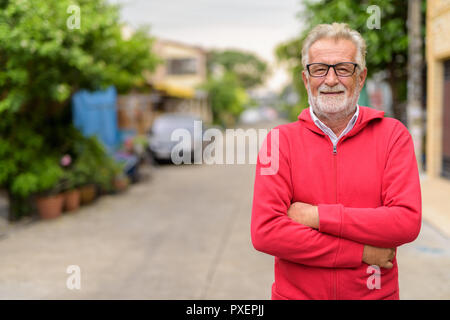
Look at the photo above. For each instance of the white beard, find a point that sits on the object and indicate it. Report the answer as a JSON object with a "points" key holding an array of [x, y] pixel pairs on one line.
{"points": [[333, 107]]}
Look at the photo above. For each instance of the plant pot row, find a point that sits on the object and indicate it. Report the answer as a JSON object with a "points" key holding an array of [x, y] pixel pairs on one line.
{"points": [[50, 207]]}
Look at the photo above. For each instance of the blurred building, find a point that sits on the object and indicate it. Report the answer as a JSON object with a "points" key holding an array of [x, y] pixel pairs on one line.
{"points": [[379, 95], [438, 88], [174, 87], [177, 81]]}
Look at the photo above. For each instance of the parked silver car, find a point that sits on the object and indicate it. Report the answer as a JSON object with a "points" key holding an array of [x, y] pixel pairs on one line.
{"points": [[160, 137]]}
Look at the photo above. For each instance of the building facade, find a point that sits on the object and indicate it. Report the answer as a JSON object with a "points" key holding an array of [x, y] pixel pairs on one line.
{"points": [[179, 78], [438, 89], [175, 87]]}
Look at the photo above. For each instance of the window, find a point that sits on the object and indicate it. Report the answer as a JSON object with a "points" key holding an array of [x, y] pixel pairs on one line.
{"points": [[182, 66]]}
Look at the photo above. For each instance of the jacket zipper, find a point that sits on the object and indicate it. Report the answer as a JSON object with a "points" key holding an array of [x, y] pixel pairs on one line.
{"points": [[335, 201]]}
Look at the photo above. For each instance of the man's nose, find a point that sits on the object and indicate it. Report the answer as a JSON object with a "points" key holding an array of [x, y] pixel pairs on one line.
{"points": [[331, 78]]}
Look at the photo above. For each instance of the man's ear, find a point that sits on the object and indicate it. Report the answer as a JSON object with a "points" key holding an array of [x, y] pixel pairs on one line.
{"points": [[305, 79], [362, 77]]}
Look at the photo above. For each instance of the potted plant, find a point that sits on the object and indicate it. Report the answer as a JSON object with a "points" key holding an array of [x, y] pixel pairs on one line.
{"points": [[85, 167], [84, 171], [121, 180], [104, 176], [50, 204], [88, 193], [110, 177], [71, 200], [71, 182], [48, 177], [95, 168]]}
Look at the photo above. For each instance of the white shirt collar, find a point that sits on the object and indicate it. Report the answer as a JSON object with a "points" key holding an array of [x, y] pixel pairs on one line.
{"points": [[330, 132]]}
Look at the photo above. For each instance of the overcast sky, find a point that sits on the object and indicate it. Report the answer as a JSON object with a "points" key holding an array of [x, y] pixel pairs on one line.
{"points": [[252, 25]]}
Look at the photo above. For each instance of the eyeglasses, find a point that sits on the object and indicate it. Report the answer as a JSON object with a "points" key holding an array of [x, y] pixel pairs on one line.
{"points": [[342, 69]]}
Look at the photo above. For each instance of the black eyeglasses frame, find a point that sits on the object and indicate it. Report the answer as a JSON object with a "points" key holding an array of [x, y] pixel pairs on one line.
{"points": [[331, 66]]}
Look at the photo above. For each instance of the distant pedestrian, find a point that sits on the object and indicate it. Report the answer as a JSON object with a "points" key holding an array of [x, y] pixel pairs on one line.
{"points": [[346, 192]]}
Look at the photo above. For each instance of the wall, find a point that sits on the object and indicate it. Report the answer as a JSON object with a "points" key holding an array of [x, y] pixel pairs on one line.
{"points": [[437, 51]]}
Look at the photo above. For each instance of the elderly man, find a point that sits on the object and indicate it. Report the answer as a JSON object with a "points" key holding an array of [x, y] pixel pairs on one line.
{"points": [[346, 191]]}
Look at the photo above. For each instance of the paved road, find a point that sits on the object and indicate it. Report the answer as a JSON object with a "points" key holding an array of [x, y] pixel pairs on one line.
{"points": [[183, 234]]}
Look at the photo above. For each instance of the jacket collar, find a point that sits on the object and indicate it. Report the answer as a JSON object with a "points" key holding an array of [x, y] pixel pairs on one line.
{"points": [[366, 115]]}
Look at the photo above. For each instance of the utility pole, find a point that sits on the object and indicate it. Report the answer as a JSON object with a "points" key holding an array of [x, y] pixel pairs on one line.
{"points": [[415, 88]]}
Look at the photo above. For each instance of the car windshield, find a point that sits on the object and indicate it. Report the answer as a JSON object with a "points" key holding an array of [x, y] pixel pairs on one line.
{"points": [[169, 123]]}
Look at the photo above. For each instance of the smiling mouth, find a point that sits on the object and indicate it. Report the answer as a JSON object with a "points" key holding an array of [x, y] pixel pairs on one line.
{"points": [[332, 93]]}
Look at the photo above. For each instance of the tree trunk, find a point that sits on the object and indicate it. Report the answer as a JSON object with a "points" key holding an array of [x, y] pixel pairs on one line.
{"points": [[415, 65], [398, 106]]}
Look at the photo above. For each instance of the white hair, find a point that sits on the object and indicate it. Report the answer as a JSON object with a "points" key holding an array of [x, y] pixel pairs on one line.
{"points": [[335, 31]]}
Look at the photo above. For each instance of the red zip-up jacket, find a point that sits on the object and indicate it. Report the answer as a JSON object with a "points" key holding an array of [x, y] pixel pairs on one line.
{"points": [[367, 191]]}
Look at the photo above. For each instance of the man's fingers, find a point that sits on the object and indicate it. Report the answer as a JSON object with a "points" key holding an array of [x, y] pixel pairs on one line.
{"points": [[388, 265], [392, 254]]}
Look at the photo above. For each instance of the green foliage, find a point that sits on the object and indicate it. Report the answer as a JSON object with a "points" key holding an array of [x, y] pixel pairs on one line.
{"points": [[37, 174], [386, 47], [106, 174], [288, 108], [290, 52], [45, 177], [30, 162], [19, 149], [249, 70], [140, 141], [230, 74], [93, 165], [43, 62], [227, 98]]}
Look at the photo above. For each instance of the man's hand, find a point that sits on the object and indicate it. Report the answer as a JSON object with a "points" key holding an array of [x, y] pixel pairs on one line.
{"points": [[305, 214], [381, 257]]}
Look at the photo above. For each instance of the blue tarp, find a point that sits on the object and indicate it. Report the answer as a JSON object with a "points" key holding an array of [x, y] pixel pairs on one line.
{"points": [[95, 113]]}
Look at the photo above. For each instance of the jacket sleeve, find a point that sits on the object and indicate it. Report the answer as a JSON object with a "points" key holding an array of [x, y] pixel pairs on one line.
{"points": [[395, 223], [274, 233]]}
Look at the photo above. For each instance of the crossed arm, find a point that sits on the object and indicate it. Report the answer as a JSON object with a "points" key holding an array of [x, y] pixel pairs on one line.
{"points": [[331, 235], [308, 215]]}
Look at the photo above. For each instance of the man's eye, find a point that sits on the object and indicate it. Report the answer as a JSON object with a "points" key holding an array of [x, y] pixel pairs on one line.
{"points": [[345, 71]]}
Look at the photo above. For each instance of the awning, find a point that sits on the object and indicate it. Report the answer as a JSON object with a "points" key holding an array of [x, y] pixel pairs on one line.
{"points": [[175, 91]]}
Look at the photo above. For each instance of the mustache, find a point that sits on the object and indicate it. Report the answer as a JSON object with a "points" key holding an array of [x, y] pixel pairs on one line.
{"points": [[336, 88]]}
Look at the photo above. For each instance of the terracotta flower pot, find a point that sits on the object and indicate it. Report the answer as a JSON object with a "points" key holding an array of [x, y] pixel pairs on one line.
{"points": [[50, 207], [87, 194], [72, 200], [120, 184]]}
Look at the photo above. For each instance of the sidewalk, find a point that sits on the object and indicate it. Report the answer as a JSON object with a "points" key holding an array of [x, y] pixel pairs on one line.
{"points": [[436, 203]]}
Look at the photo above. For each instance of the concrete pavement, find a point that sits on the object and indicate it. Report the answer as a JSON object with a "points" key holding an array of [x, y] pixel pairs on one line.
{"points": [[182, 235], [436, 202]]}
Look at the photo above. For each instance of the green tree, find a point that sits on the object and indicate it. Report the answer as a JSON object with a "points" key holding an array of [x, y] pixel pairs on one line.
{"points": [[227, 98], [290, 53], [387, 47], [43, 61], [250, 70]]}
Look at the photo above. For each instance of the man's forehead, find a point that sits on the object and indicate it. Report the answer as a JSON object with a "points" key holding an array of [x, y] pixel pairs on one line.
{"points": [[332, 50]]}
